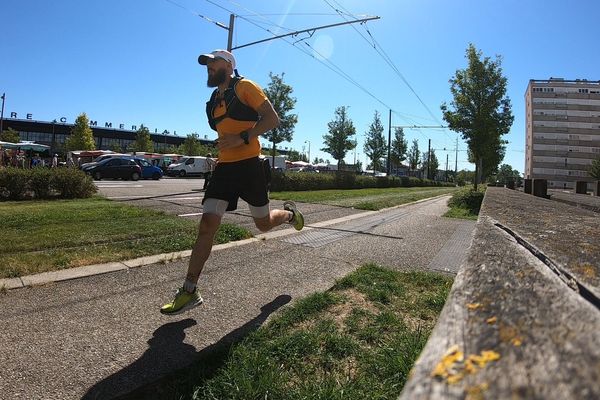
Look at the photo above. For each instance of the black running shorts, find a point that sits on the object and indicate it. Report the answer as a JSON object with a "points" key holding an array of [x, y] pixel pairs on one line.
{"points": [[241, 179]]}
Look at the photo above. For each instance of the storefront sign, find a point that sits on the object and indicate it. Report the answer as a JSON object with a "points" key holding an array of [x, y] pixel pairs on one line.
{"points": [[63, 120]]}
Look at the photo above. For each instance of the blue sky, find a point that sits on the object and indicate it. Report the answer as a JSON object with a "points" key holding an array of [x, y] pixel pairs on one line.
{"points": [[132, 62]]}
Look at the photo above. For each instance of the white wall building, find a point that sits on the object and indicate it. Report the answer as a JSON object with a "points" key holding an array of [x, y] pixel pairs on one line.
{"points": [[563, 130]]}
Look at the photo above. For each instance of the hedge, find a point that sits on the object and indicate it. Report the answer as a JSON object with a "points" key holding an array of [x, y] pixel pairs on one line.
{"points": [[44, 183], [299, 181]]}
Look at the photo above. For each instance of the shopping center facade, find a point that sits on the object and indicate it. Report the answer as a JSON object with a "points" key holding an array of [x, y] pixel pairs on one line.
{"points": [[107, 136]]}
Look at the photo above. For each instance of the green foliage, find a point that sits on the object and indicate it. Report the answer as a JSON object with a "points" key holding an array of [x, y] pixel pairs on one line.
{"points": [[192, 146], [10, 135], [294, 155], [43, 183], [375, 144], [505, 175], [280, 95], [464, 176], [81, 137], [430, 166], [469, 200], [399, 147], [301, 181], [338, 141], [13, 183], [143, 142], [414, 155], [229, 232], [595, 169], [481, 111], [40, 182], [71, 183]]}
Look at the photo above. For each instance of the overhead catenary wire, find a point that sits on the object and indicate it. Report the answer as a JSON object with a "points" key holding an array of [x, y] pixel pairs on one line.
{"points": [[327, 63], [332, 66], [379, 49]]}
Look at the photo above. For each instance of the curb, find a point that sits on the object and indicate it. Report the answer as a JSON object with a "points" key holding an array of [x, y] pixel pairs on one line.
{"points": [[98, 269]]}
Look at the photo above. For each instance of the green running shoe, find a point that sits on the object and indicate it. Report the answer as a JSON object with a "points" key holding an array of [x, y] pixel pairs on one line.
{"points": [[183, 301], [298, 219]]}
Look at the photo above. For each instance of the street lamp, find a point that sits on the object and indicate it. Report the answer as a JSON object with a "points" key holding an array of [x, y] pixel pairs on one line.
{"points": [[308, 141], [2, 114]]}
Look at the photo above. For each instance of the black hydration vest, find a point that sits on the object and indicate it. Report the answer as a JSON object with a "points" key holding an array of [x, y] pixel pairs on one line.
{"points": [[234, 108]]}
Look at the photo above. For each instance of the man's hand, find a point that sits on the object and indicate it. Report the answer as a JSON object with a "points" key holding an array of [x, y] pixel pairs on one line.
{"points": [[229, 141]]}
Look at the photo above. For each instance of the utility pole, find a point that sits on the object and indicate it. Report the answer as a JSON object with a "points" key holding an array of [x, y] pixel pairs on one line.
{"points": [[230, 31], [456, 159], [429, 160], [2, 114], [389, 143], [446, 167]]}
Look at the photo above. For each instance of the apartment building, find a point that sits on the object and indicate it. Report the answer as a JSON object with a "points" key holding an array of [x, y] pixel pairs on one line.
{"points": [[563, 130]]}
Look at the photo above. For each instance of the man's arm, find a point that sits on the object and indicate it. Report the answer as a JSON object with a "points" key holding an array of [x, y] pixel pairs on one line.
{"points": [[267, 121]]}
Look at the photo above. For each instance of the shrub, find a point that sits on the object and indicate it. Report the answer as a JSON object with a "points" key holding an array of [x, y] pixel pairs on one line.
{"points": [[467, 199], [70, 183], [13, 183], [40, 182]]}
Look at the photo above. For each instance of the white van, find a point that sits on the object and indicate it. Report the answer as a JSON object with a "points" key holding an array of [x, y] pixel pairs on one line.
{"points": [[189, 166]]}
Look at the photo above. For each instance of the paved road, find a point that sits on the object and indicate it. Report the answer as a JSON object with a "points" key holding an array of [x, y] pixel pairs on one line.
{"points": [[102, 336]]}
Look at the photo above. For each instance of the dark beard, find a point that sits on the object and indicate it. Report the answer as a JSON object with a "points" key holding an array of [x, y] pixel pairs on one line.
{"points": [[219, 77]]}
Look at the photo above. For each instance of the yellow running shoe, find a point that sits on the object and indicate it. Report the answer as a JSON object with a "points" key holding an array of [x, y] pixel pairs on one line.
{"points": [[298, 219], [183, 301]]}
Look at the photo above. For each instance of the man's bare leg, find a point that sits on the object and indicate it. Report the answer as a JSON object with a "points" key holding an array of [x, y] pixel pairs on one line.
{"points": [[203, 246]]}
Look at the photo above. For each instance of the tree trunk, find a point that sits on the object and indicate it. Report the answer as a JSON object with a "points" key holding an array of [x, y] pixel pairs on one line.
{"points": [[273, 158]]}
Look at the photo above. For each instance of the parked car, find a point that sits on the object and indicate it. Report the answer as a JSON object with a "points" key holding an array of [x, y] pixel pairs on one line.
{"points": [[189, 166], [303, 169], [116, 167], [101, 158], [149, 170]]}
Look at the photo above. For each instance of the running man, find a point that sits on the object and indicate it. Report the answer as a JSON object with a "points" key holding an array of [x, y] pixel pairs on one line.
{"points": [[240, 112]]}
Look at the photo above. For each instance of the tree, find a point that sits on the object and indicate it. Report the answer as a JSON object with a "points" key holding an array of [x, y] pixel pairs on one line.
{"points": [[481, 111], [399, 147], [595, 169], [375, 147], [339, 139], [192, 146], [318, 160], [430, 165], [143, 141], [464, 176], [414, 155], [279, 93], [81, 137], [294, 155], [10, 135], [506, 174]]}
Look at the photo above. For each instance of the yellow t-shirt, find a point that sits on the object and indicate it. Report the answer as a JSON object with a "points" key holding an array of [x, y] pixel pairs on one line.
{"points": [[251, 95]]}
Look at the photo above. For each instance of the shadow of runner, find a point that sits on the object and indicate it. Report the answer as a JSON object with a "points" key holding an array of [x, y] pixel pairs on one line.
{"points": [[166, 351], [144, 379]]}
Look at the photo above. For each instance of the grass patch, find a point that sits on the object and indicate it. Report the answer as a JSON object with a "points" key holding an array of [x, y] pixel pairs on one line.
{"points": [[358, 340], [465, 203], [364, 199], [39, 236]]}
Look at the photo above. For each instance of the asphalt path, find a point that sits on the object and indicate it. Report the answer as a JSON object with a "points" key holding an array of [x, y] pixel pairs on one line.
{"points": [[103, 336]]}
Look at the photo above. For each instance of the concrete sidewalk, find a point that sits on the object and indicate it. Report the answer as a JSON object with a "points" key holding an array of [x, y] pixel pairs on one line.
{"points": [[103, 335]]}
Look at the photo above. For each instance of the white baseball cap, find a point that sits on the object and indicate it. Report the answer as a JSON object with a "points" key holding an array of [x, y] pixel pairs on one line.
{"points": [[223, 54]]}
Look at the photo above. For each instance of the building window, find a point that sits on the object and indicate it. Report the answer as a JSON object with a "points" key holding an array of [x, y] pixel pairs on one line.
{"points": [[583, 90]]}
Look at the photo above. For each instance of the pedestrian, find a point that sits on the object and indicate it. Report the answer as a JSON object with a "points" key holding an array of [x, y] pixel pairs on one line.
{"points": [[240, 112], [210, 163]]}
